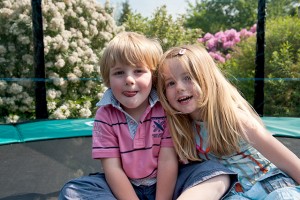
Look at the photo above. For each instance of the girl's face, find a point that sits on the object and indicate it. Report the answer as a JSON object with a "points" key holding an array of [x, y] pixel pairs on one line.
{"points": [[131, 86], [180, 89]]}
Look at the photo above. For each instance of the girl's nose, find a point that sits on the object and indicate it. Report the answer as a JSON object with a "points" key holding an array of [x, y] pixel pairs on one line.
{"points": [[180, 87]]}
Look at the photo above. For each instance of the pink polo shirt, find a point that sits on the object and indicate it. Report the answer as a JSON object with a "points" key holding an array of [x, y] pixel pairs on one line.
{"points": [[139, 155]]}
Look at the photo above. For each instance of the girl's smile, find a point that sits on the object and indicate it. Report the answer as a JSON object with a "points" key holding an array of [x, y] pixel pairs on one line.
{"points": [[185, 100]]}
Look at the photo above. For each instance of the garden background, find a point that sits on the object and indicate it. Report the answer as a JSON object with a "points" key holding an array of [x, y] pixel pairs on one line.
{"points": [[76, 33], [40, 156]]}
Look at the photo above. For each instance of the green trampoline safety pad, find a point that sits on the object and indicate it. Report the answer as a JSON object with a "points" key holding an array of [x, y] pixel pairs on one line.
{"points": [[55, 129], [283, 126], [44, 130], [9, 134]]}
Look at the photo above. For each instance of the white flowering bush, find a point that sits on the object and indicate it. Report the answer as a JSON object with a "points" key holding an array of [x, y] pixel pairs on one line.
{"points": [[75, 34]]}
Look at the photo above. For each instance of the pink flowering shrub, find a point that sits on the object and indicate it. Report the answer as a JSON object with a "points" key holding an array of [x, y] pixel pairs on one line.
{"points": [[221, 43]]}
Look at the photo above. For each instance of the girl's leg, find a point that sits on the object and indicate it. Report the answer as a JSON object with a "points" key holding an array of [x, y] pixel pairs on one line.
{"points": [[197, 179], [281, 187], [213, 188], [276, 187], [286, 193]]}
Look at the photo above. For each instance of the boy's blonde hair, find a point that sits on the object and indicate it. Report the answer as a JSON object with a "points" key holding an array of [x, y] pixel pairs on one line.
{"points": [[219, 102], [130, 48]]}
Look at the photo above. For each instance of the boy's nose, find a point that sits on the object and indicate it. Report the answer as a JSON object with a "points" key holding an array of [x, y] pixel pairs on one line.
{"points": [[129, 80]]}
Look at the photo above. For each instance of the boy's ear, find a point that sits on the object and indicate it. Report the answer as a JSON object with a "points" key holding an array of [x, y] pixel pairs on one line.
{"points": [[154, 79], [107, 84]]}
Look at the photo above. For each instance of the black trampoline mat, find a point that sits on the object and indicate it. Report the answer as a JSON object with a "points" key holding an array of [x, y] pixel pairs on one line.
{"points": [[38, 170]]}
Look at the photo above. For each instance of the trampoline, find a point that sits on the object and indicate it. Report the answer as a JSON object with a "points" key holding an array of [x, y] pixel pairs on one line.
{"points": [[38, 157]]}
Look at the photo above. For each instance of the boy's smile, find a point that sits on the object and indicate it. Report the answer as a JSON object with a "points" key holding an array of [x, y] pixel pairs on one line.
{"points": [[130, 93]]}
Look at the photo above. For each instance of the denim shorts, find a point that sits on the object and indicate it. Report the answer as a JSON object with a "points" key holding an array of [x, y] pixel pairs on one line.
{"points": [[195, 173], [95, 186], [277, 187]]}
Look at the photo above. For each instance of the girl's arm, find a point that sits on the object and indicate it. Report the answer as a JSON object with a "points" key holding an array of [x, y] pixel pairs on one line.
{"points": [[274, 150], [117, 179], [166, 173]]}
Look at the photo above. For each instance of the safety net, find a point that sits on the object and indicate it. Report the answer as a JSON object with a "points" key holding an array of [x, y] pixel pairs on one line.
{"points": [[55, 129]]}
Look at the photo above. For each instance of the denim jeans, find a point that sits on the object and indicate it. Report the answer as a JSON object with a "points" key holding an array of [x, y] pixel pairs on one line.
{"points": [[94, 187], [145, 192], [278, 187]]}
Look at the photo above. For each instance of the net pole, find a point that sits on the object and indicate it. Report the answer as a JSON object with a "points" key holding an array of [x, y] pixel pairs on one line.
{"points": [[39, 62], [260, 59]]}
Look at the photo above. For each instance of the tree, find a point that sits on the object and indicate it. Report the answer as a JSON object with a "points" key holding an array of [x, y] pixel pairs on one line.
{"points": [[281, 8], [216, 15], [126, 10], [162, 26]]}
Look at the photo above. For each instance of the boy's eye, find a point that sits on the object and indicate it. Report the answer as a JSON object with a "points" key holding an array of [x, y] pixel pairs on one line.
{"points": [[118, 73], [138, 71]]}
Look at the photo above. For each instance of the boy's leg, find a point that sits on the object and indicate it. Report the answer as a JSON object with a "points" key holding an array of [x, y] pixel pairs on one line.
{"points": [[87, 187], [145, 192]]}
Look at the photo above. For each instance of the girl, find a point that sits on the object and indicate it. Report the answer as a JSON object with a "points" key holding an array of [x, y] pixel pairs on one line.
{"points": [[208, 118]]}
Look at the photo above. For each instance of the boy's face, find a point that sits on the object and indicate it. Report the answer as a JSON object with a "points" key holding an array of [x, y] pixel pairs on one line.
{"points": [[131, 85]]}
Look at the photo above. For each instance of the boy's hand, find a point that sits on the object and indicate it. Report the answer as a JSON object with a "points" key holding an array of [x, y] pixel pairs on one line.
{"points": [[117, 179], [167, 173]]}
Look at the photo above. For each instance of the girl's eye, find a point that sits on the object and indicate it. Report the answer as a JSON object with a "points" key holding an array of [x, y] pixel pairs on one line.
{"points": [[169, 84], [187, 78]]}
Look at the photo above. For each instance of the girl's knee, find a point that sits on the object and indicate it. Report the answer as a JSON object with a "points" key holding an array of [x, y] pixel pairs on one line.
{"points": [[213, 188], [222, 183]]}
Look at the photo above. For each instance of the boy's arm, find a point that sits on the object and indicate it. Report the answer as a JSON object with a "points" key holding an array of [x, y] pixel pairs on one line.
{"points": [[117, 179], [166, 173]]}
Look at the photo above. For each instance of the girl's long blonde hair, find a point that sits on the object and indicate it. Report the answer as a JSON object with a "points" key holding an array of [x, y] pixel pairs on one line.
{"points": [[220, 104]]}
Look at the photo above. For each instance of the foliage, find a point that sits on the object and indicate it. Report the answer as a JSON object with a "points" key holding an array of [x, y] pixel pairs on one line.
{"points": [[282, 61], [281, 8], [215, 15], [171, 32], [75, 33]]}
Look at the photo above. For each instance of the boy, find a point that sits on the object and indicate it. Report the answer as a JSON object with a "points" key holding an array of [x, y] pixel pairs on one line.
{"points": [[130, 135]]}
